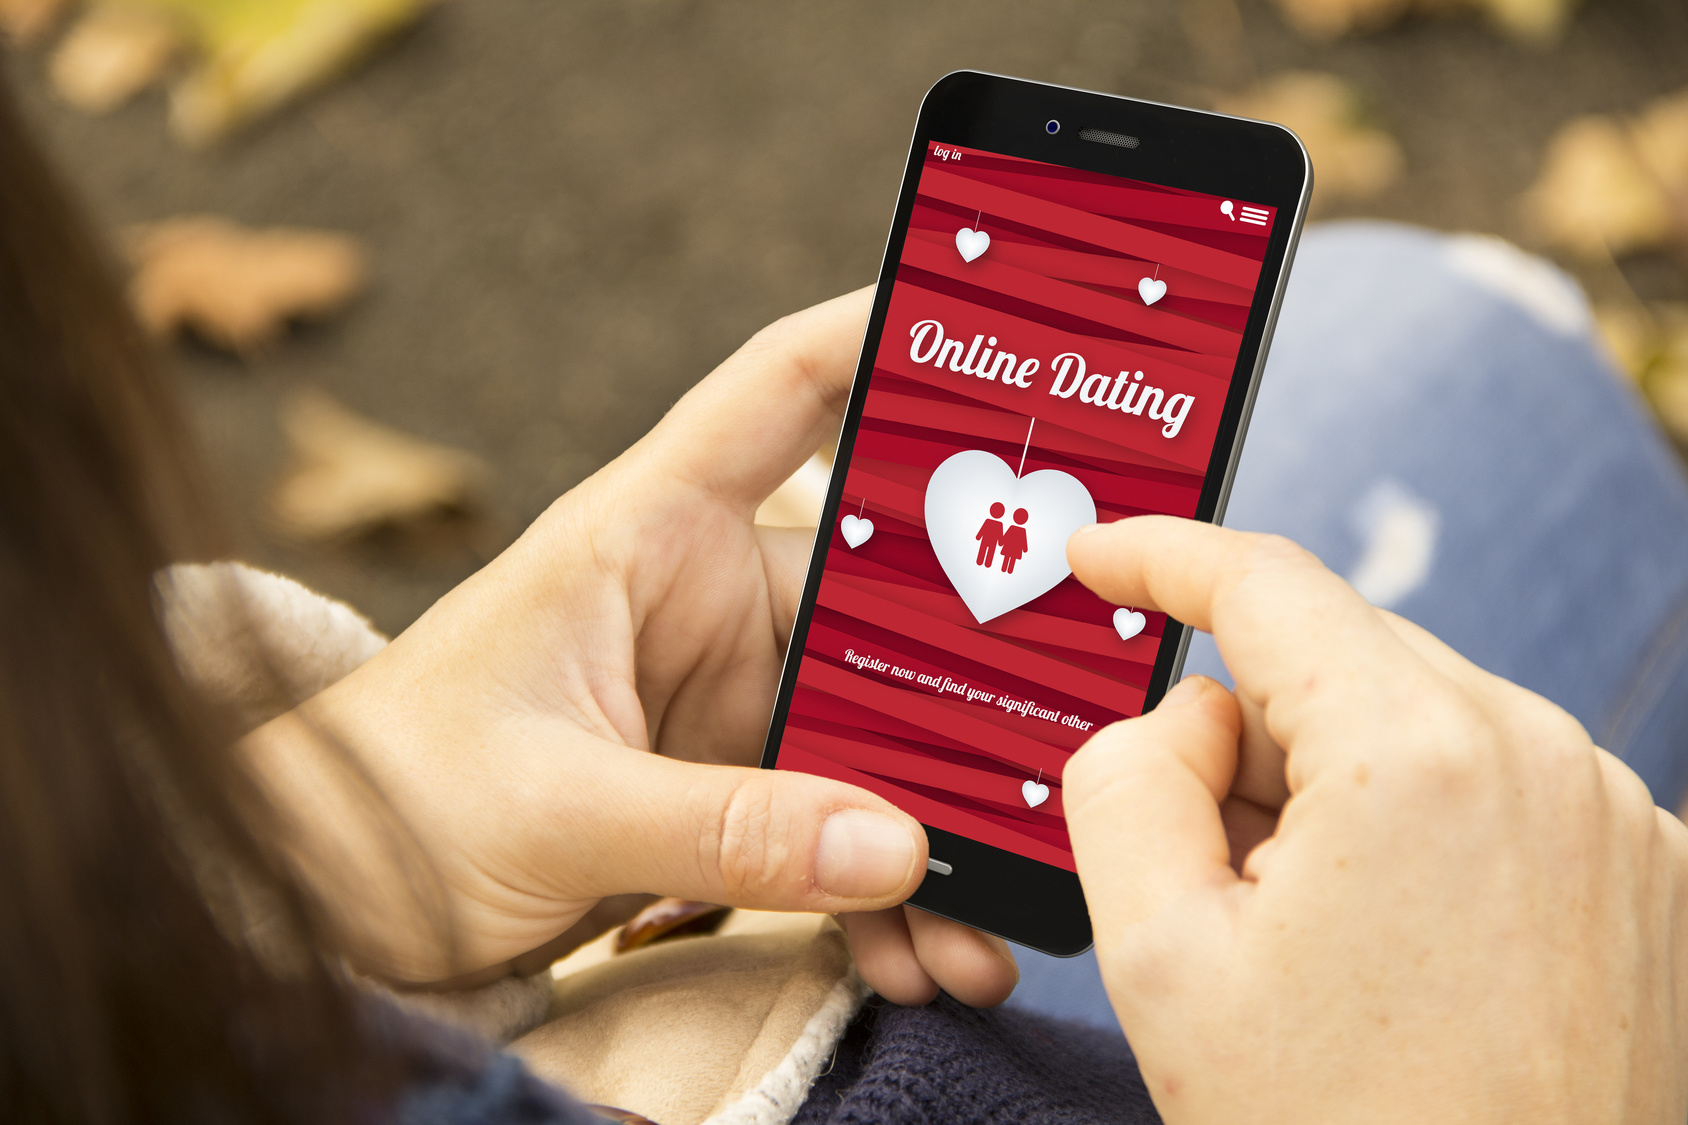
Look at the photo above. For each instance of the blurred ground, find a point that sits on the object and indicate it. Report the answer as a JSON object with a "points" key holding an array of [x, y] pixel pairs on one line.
{"points": [[577, 209]]}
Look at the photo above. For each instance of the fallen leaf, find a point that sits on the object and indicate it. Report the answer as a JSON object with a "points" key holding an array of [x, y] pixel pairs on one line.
{"points": [[1650, 344], [1330, 19], [236, 287], [1594, 195], [1609, 186], [259, 54], [1539, 22], [1350, 158], [351, 475], [1630, 337], [25, 21], [111, 54], [1660, 136]]}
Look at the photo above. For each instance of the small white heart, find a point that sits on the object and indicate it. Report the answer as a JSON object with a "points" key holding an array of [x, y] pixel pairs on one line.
{"points": [[856, 530], [1128, 622], [1034, 793], [972, 243], [1151, 290]]}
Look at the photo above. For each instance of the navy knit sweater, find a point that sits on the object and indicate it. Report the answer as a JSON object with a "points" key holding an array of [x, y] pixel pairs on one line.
{"points": [[944, 1063]]}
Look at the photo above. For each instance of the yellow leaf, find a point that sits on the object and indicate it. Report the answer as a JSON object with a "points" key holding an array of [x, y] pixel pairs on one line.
{"points": [[1595, 196], [1541, 22], [1350, 158], [234, 287], [112, 54], [352, 475], [1630, 337], [259, 54], [1330, 19], [1533, 21], [1660, 136]]}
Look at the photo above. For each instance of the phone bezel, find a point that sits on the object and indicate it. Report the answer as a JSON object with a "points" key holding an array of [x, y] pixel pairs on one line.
{"points": [[998, 891]]}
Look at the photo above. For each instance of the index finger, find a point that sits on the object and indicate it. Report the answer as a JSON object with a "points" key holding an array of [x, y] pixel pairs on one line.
{"points": [[1302, 644], [767, 408]]}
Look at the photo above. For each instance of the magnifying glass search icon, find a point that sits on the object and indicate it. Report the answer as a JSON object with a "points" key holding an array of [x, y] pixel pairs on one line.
{"points": [[1225, 209]]}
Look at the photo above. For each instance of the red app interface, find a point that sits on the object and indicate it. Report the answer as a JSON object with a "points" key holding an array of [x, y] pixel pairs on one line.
{"points": [[1058, 350]]}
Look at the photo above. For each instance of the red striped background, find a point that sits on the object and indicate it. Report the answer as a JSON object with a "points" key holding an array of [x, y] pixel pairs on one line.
{"points": [[1067, 250]]}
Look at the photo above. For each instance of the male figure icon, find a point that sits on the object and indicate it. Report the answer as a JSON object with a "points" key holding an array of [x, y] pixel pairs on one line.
{"points": [[1014, 541], [990, 534]]}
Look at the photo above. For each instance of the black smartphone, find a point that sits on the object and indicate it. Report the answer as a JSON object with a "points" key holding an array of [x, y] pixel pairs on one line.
{"points": [[1071, 320]]}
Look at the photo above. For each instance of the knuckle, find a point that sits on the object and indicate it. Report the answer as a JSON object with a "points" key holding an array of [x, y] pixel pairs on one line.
{"points": [[1270, 550], [1456, 745], [1545, 728], [1627, 795], [748, 850]]}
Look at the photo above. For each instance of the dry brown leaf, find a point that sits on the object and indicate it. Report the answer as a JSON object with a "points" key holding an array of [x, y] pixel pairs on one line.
{"points": [[352, 475], [1650, 344], [25, 21], [1329, 19], [1668, 395], [1630, 336], [1350, 158], [1660, 136], [260, 54], [113, 53], [1594, 196], [1534, 21], [1608, 186], [236, 287]]}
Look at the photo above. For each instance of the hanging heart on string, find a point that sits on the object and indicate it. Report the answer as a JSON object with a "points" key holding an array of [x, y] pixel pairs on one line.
{"points": [[971, 243], [1129, 622], [856, 530]]}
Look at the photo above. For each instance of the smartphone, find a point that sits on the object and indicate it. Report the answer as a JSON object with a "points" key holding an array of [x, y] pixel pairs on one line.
{"points": [[1072, 315]]}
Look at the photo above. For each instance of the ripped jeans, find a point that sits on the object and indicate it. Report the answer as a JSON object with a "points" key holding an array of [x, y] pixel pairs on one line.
{"points": [[1439, 425]]}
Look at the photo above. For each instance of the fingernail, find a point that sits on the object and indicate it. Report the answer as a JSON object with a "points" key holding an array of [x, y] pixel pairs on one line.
{"points": [[1087, 529], [862, 854]]}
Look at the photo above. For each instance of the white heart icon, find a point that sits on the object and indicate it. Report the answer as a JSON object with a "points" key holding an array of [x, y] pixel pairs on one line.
{"points": [[856, 530], [972, 243], [1002, 540], [1034, 793], [1151, 290], [1128, 622]]}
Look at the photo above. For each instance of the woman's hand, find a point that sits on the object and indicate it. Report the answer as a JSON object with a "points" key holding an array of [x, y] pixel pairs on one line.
{"points": [[1376, 883], [582, 718]]}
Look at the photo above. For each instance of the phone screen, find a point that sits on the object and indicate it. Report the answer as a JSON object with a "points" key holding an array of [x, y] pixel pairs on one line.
{"points": [[1058, 350]]}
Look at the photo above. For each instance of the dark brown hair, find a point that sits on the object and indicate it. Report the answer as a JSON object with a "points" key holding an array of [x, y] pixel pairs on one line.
{"points": [[123, 996]]}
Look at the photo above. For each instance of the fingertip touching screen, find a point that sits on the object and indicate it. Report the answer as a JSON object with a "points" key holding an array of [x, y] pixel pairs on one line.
{"points": [[1058, 350]]}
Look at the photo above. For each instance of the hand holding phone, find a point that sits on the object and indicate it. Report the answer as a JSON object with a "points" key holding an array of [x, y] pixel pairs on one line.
{"points": [[578, 719], [1069, 327]]}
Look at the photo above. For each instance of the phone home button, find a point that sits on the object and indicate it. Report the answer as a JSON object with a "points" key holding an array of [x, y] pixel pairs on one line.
{"points": [[939, 866]]}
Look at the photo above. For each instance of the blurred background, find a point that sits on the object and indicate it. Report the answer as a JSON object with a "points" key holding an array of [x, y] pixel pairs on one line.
{"points": [[420, 268]]}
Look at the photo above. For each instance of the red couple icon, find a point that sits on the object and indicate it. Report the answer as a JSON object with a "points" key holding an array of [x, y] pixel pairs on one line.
{"points": [[1012, 539]]}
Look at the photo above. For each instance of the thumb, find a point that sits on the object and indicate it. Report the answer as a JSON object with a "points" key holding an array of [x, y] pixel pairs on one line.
{"points": [[765, 839], [1143, 805]]}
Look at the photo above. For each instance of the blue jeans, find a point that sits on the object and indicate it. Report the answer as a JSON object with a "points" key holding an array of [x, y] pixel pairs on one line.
{"points": [[1437, 423]]}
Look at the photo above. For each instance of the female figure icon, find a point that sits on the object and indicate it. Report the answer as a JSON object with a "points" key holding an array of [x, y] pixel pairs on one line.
{"points": [[1014, 540]]}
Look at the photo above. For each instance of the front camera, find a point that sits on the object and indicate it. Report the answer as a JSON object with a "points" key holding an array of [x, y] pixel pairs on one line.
{"points": [[1052, 127]]}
